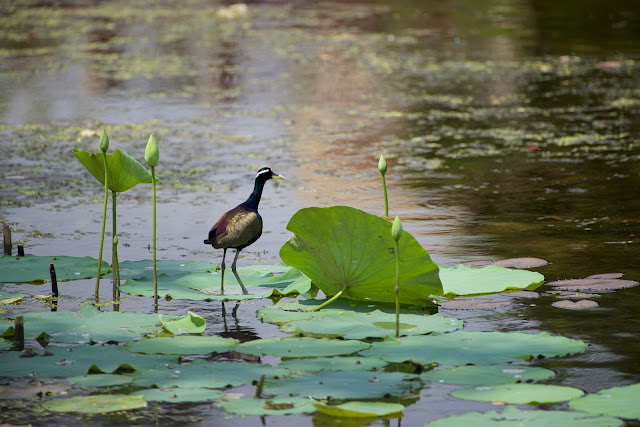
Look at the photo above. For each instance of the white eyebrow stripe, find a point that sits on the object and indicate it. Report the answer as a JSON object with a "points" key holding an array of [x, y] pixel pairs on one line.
{"points": [[261, 172]]}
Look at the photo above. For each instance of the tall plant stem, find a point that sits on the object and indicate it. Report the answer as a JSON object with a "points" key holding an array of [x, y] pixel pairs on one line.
{"points": [[104, 223], [386, 199], [155, 270], [115, 265], [330, 300], [397, 291]]}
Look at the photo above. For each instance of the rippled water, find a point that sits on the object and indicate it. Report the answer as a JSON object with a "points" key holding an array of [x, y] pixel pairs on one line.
{"points": [[510, 129]]}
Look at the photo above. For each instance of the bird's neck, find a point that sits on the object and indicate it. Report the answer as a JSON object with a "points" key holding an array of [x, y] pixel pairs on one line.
{"points": [[254, 199]]}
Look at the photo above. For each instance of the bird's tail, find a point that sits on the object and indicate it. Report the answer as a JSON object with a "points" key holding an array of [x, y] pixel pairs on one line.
{"points": [[207, 242]]}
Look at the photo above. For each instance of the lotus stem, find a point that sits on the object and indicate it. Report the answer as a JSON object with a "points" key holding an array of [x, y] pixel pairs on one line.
{"points": [[382, 167], [396, 233], [330, 300], [155, 270], [115, 266], [104, 148]]}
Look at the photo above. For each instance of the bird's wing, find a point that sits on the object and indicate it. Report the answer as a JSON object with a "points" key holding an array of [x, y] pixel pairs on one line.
{"points": [[237, 228]]}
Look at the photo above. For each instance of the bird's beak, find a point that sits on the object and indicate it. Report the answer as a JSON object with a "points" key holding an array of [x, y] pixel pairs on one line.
{"points": [[276, 176]]}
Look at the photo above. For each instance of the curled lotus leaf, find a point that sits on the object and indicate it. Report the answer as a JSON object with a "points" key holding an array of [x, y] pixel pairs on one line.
{"points": [[124, 172]]}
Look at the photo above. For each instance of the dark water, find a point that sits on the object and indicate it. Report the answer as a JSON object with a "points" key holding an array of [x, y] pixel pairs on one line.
{"points": [[510, 129]]}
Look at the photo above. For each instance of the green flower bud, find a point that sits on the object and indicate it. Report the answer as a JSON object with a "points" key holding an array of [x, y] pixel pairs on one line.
{"points": [[104, 141], [152, 153], [396, 229], [382, 165]]}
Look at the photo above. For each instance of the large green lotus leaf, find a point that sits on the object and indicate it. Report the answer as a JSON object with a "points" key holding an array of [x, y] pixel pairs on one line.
{"points": [[487, 374], [80, 360], [182, 345], [99, 380], [35, 269], [301, 347], [200, 285], [514, 417], [89, 324], [359, 409], [190, 323], [274, 406], [342, 246], [124, 171], [343, 385], [202, 374], [315, 364], [96, 404], [480, 348], [616, 401], [532, 394], [375, 324], [137, 269], [179, 395], [490, 279]]}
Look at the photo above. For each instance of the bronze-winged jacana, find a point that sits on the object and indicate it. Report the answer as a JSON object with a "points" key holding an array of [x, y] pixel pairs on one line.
{"points": [[241, 226]]}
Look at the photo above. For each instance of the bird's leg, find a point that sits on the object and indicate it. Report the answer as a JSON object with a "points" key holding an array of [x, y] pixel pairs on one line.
{"points": [[224, 254], [233, 268]]}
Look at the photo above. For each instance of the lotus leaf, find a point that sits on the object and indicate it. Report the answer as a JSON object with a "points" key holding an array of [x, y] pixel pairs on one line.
{"points": [[359, 409], [191, 323], [301, 347], [78, 360], [35, 269], [99, 380], [352, 325], [343, 385], [273, 406], [334, 364], [518, 393], [124, 171], [182, 345], [345, 249], [461, 348], [202, 374], [179, 395], [89, 324], [487, 374], [616, 401], [490, 279], [96, 404], [514, 417], [137, 269]]}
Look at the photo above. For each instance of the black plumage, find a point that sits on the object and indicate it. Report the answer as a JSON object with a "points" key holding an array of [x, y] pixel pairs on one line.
{"points": [[241, 226]]}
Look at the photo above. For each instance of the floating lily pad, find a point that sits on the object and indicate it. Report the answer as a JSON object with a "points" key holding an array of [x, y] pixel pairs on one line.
{"points": [[359, 409], [301, 347], [191, 323], [487, 374], [137, 269], [465, 280], [33, 388], [182, 345], [99, 380], [616, 401], [202, 374], [334, 364], [481, 348], [592, 285], [79, 360], [89, 324], [519, 393], [179, 395], [514, 417], [343, 385], [568, 294], [606, 276], [35, 269], [575, 305], [474, 304], [273, 406], [342, 248], [526, 262], [521, 294], [352, 325], [96, 404]]}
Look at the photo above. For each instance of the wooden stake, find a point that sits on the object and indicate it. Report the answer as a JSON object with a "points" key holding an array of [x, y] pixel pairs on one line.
{"points": [[7, 239]]}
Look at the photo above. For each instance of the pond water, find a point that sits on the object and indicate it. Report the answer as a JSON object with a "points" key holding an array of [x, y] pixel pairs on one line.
{"points": [[510, 129]]}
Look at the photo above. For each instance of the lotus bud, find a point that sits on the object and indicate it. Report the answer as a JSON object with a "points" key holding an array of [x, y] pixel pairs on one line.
{"points": [[396, 229], [152, 153], [115, 240], [382, 165], [104, 141]]}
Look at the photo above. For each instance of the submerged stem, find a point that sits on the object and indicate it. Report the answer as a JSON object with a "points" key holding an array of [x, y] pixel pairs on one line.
{"points": [[104, 223], [397, 291], [155, 270], [330, 300]]}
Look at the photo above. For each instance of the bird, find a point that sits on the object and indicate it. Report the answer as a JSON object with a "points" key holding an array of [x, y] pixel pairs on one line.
{"points": [[241, 226]]}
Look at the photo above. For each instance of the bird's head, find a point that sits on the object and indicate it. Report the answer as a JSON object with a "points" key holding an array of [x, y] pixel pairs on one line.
{"points": [[266, 173]]}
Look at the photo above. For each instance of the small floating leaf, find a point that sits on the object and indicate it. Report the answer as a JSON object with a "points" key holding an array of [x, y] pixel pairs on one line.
{"points": [[179, 395], [274, 406], [96, 404], [592, 285], [616, 401], [519, 393], [190, 323], [575, 305], [359, 409], [301, 347], [182, 345], [491, 279], [487, 374], [527, 262], [314, 364], [99, 380]]}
